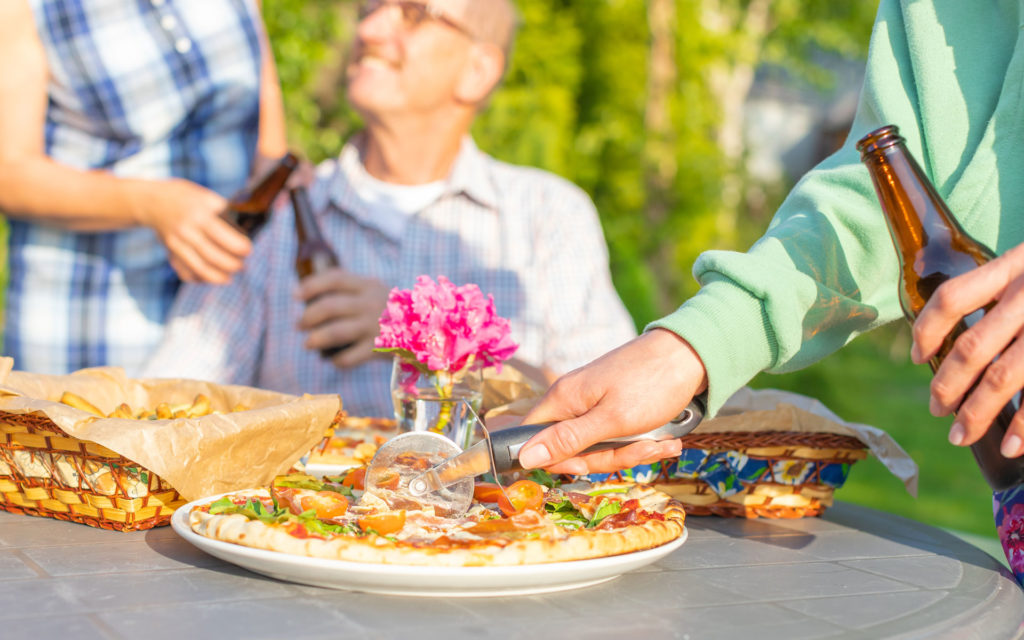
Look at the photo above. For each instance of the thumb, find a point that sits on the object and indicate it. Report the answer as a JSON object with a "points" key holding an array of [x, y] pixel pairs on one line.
{"points": [[565, 439]]}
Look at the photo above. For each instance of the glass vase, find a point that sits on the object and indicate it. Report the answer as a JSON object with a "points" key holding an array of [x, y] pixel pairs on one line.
{"points": [[434, 401]]}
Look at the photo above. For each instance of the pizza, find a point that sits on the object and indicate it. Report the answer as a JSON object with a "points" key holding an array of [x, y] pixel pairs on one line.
{"points": [[352, 442], [533, 521]]}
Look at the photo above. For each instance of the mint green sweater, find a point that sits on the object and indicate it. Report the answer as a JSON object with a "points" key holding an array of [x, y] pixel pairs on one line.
{"points": [[950, 74]]}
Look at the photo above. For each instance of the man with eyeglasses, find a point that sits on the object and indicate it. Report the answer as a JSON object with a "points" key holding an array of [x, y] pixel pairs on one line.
{"points": [[410, 195]]}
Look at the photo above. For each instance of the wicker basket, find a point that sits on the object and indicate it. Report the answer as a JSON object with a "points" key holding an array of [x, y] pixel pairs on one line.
{"points": [[770, 474], [45, 472]]}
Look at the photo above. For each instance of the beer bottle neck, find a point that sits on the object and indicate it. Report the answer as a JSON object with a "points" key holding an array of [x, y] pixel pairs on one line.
{"points": [[313, 253], [306, 228], [914, 211], [259, 195]]}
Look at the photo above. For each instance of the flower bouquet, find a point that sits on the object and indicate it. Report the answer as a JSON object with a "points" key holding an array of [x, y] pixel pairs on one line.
{"points": [[442, 337]]}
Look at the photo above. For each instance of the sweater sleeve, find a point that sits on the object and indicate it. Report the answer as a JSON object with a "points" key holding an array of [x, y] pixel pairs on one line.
{"points": [[825, 270]]}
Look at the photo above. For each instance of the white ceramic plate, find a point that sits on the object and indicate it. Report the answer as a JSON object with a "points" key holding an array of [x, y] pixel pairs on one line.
{"points": [[321, 470], [410, 580]]}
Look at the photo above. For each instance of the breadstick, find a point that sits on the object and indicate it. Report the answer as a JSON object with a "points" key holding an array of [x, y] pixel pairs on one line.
{"points": [[122, 411], [200, 407], [78, 402]]}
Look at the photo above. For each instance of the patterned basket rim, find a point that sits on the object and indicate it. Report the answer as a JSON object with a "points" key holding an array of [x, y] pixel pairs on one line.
{"points": [[757, 439]]}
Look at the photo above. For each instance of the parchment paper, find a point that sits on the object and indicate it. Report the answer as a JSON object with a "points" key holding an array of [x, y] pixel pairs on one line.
{"points": [[198, 456]]}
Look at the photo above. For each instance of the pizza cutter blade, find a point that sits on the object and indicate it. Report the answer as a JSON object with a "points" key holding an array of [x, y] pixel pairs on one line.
{"points": [[405, 457]]}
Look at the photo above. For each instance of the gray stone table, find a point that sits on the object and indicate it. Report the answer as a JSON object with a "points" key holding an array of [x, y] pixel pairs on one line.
{"points": [[855, 573]]}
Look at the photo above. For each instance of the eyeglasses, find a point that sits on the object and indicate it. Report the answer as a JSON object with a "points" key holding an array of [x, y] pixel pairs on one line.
{"points": [[413, 13]]}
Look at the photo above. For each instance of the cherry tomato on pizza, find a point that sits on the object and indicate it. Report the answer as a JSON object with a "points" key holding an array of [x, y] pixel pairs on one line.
{"points": [[356, 478], [522, 496], [486, 492], [386, 479], [383, 523], [327, 504]]}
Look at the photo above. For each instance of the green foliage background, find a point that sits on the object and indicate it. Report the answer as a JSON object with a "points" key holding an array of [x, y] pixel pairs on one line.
{"points": [[578, 101]]}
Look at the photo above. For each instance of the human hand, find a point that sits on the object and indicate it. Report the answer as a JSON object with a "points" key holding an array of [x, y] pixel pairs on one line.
{"points": [[1001, 284], [639, 386], [201, 246], [342, 308]]}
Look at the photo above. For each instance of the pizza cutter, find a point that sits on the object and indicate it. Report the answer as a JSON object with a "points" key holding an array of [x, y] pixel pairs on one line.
{"points": [[498, 452], [405, 457]]}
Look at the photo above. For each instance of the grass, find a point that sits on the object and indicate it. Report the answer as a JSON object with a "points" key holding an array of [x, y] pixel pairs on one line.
{"points": [[872, 381]]}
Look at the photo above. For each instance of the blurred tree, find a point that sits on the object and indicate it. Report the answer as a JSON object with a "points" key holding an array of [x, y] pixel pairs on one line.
{"points": [[640, 102]]}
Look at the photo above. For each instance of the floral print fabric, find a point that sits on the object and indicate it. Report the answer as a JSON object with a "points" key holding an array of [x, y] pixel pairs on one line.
{"points": [[1008, 507], [730, 472]]}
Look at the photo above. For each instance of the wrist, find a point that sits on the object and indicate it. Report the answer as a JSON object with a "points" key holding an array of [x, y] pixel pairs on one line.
{"points": [[135, 196], [687, 364]]}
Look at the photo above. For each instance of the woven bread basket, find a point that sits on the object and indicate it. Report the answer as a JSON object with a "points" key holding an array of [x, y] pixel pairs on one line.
{"points": [[46, 472], [769, 474], [102, 449]]}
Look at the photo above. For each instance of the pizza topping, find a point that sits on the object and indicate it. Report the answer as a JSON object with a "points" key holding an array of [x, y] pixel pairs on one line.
{"points": [[305, 481], [564, 514], [607, 507], [525, 521], [356, 478], [326, 504], [387, 479], [606, 490], [523, 495], [383, 523], [583, 503], [544, 479], [236, 504], [286, 498], [415, 461], [298, 530], [486, 492]]}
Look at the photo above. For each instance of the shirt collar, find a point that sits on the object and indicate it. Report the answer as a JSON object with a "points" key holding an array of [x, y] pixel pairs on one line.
{"points": [[469, 176]]}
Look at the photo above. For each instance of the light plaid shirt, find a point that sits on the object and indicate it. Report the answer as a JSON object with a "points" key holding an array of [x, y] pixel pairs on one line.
{"points": [[146, 89], [530, 238]]}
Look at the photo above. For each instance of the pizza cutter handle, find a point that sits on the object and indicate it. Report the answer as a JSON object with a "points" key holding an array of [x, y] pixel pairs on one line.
{"points": [[506, 443]]}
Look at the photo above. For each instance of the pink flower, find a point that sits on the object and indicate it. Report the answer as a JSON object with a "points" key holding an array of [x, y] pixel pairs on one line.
{"points": [[440, 327], [1011, 533]]}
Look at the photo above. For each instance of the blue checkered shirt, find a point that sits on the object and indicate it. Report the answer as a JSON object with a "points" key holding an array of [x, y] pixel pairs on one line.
{"points": [[143, 89], [530, 238]]}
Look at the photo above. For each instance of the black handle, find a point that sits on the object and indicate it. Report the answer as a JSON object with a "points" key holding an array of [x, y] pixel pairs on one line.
{"points": [[505, 443]]}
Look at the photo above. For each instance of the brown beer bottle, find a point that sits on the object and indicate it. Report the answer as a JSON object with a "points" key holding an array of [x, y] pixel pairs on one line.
{"points": [[933, 248], [249, 209], [312, 254]]}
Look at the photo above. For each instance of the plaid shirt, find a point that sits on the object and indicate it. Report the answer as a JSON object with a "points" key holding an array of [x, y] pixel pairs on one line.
{"points": [[147, 89], [529, 238]]}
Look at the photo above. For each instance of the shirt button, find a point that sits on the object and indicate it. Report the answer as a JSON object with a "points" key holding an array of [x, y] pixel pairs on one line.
{"points": [[168, 22], [183, 45]]}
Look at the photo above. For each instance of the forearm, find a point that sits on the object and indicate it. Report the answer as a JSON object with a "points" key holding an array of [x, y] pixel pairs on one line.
{"points": [[272, 141], [42, 190]]}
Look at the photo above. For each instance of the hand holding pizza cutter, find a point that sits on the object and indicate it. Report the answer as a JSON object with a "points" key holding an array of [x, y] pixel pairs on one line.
{"points": [[426, 467]]}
